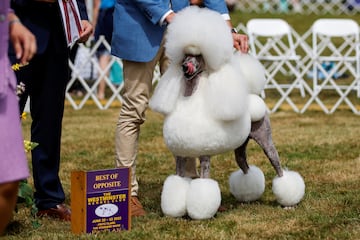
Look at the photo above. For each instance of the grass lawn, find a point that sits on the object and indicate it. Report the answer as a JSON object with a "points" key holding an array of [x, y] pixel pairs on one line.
{"points": [[324, 149]]}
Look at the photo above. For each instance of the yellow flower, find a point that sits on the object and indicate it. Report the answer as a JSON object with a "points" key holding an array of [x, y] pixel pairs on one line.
{"points": [[17, 66], [23, 116], [29, 145]]}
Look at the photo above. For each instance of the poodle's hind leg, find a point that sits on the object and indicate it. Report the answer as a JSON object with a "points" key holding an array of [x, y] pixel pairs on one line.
{"points": [[288, 187], [240, 157], [248, 183], [261, 133]]}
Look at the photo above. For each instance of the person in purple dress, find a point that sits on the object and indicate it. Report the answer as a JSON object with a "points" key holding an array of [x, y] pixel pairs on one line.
{"points": [[13, 164]]}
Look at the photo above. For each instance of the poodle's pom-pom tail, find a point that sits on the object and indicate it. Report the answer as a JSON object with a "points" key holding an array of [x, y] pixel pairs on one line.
{"points": [[257, 107], [288, 189], [247, 187], [203, 198], [173, 196]]}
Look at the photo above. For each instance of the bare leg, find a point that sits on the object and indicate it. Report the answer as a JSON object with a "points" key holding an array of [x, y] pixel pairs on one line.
{"points": [[205, 166], [240, 156], [103, 62], [261, 133], [8, 196]]}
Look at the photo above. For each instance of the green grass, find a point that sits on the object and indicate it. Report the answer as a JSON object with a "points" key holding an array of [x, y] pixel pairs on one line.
{"points": [[324, 148]]}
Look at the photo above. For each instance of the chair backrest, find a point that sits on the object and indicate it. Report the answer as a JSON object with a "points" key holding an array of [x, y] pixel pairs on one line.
{"points": [[267, 27], [335, 37], [335, 27], [335, 55], [270, 37]]}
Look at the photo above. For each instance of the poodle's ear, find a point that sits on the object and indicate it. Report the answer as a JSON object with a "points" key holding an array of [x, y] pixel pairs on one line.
{"points": [[167, 91], [224, 94]]}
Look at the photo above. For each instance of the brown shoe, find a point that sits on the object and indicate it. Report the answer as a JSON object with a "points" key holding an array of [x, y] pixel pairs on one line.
{"points": [[136, 209], [222, 208], [61, 212]]}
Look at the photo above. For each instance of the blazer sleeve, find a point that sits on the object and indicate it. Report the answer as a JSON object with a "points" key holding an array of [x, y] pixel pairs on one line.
{"points": [[217, 5], [82, 9], [153, 9]]}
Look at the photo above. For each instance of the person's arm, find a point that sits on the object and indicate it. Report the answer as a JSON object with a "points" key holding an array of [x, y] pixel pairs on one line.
{"points": [[96, 8], [87, 28], [154, 10], [23, 41], [240, 41]]}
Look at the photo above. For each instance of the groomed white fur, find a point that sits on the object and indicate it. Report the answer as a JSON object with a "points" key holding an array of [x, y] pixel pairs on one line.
{"points": [[288, 189], [217, 116], [247, 187], [203, 198], [212, 36], [257, 107], [225, 93], [173, 196], [167, 91], [253, 71]]}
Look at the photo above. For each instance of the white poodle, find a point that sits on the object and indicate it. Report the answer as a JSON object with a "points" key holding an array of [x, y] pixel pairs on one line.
{"points": [[210, 98]]}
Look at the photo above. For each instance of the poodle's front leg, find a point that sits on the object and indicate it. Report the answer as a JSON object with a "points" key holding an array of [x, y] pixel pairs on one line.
{"points": [[261, 133], [204, 166], [180, 165], [186, 167]]}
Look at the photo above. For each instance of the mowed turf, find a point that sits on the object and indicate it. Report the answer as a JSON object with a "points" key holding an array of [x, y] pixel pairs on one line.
{"points": [[324, 149]]}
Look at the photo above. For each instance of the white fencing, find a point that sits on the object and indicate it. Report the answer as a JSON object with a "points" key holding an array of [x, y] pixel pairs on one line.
{"points": [[334, 7], [299, 99]]}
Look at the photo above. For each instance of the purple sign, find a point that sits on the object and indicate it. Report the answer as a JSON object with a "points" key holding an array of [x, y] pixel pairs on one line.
{"points": [[107, 200]]}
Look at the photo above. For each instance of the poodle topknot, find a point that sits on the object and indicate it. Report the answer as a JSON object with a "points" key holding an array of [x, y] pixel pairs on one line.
{"points": [[214, 41]]}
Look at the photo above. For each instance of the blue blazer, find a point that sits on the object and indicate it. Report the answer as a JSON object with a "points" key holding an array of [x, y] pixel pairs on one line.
{"points": [[137, 34]]}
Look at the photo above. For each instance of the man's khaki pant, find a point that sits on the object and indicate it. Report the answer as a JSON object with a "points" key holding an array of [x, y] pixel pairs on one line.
{"points": [[136, 93]]}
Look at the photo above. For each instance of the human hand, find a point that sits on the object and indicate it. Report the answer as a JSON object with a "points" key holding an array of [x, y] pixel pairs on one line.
{"points": [[87, 30], [196, 2], [170, 17], [241, 42], [24, 42]]}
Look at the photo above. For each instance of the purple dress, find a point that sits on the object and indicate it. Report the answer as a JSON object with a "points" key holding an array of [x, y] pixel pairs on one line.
{"points": [[13, 163]]}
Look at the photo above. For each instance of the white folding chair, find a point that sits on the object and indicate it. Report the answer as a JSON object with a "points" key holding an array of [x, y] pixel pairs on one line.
{"points": [[271, 42], [335, 61]]}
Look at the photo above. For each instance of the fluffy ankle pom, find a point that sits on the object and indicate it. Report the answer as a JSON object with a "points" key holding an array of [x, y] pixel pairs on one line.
{"points": [[288, 189], [247, 187], [203, 198], [173, 196]]}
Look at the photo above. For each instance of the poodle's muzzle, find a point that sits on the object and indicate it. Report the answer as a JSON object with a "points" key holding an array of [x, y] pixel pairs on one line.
{"points": [[192, 66]]}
